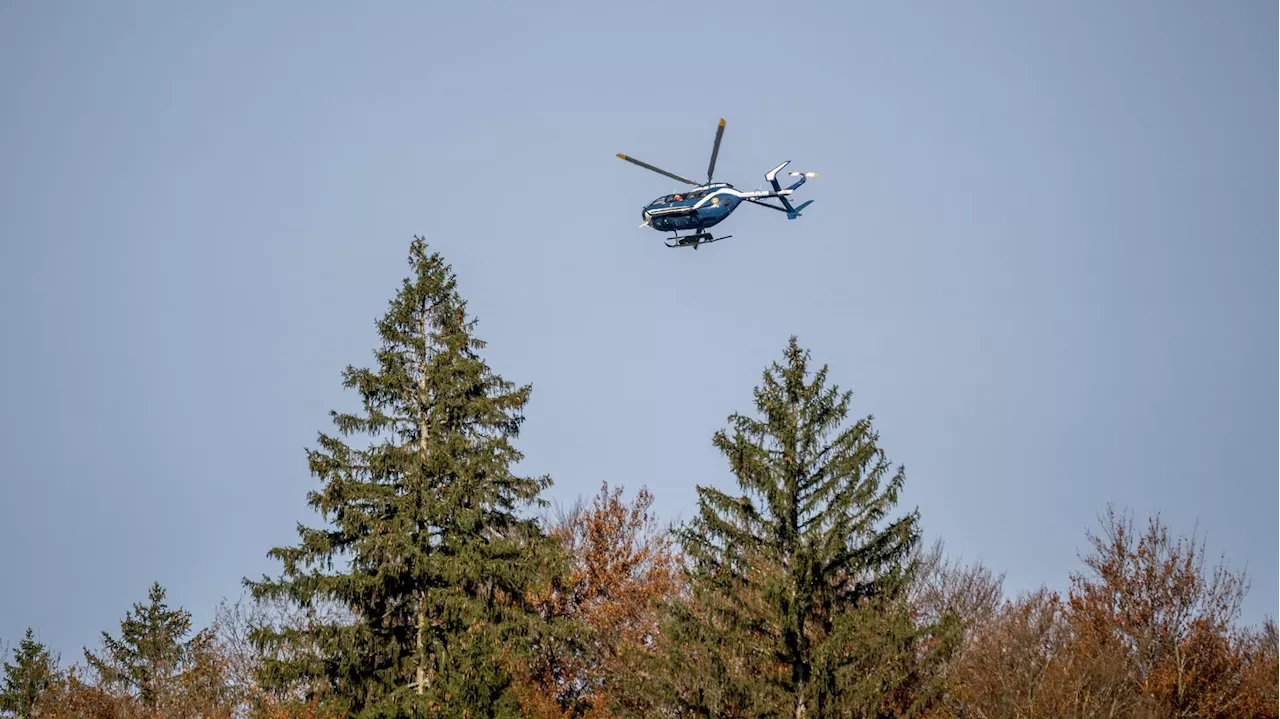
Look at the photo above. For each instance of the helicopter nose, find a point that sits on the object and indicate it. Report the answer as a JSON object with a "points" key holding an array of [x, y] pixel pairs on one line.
{"points": [[644, 215]]}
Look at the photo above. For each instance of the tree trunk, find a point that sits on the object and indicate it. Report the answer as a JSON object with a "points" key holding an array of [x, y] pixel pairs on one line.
{"points": [[421, 679], [423, 428]]}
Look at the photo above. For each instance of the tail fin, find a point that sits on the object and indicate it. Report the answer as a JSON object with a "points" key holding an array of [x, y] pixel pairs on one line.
{"points": [[772, 176]]}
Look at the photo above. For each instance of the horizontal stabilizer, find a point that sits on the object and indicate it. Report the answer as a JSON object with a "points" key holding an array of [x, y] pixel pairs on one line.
{"points": [[796, 212]]}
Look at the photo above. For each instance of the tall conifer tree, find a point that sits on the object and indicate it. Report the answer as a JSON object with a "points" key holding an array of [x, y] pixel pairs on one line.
{"points": [[428, 515], [784, 577]]}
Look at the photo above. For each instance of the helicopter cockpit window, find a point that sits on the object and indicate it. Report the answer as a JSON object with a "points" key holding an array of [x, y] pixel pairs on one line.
{"points": [[678, 197]]}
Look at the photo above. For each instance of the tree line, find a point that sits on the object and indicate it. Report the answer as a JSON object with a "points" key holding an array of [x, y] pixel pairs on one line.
{"points": [[442, 583]]}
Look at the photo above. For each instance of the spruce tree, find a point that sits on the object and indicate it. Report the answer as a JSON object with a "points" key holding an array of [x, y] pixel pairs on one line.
{"points": [[792, 580], [151, 652], [32, 672], [438, 557]]}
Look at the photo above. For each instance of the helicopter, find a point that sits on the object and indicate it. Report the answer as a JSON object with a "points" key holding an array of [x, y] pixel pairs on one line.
{"points": [[710, 203]]}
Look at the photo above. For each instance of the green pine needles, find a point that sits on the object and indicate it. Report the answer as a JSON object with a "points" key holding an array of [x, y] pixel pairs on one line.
{"points": [[439, 559], [155, 655], [784, 578], [32, 672], [794, 603]]}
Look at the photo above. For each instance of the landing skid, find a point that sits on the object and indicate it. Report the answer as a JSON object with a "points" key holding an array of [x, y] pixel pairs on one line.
{"points": [[695, 240]]}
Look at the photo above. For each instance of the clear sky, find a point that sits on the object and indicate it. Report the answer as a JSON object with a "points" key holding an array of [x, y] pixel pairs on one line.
{"points": [[1041, 253]]}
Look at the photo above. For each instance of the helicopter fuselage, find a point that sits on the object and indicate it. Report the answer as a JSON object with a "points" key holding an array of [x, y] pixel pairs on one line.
{"points": [[710, 203], [699, 208]]}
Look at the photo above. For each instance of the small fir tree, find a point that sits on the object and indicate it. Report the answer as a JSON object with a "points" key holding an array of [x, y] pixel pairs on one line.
{"points": [[151, 652], [428, 516], [32, 672], [790, 580]]}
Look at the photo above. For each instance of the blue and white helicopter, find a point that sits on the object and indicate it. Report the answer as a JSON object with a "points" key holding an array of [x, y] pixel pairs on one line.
{"points": [[708, 204]]}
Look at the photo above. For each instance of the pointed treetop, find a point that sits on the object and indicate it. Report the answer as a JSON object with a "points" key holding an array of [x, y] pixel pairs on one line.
{"points": [[32, 672]]}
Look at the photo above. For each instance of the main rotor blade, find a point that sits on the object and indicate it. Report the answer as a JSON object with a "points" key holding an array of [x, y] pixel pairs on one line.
{"points": [[658, 170], [715, 150]]}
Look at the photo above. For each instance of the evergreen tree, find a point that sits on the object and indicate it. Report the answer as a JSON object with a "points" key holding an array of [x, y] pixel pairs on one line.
{"points": [[795, 586], [32, 672], [151, 651], [439, 559]]}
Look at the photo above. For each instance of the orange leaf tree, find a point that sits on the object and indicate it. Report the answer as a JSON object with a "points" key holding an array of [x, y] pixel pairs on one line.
{"points": [[620, 568]]}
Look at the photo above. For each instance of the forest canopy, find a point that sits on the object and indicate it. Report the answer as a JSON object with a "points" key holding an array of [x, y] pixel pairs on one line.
{"points": [[437, 581]]}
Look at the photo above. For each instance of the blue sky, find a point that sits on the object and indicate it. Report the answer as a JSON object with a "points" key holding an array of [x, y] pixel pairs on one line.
{"points": [[1040, 253]]}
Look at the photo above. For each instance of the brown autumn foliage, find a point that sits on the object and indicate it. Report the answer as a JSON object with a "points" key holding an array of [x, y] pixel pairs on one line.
{"points": [[621, 566], [1027, 663], [74, 698], [967, 599], [1151, 600], [946, 586], [1261, 652], [1148, 630], [1148, 633]]}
